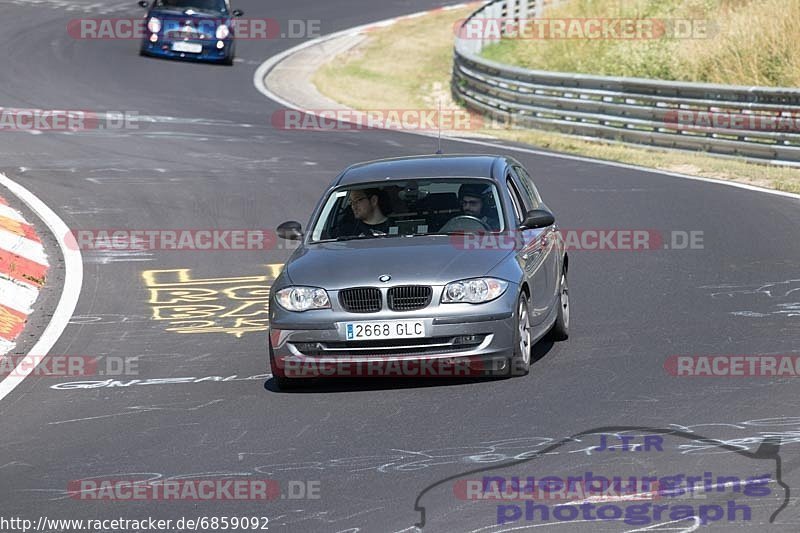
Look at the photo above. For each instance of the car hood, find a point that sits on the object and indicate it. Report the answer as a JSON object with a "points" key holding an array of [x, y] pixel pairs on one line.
{"points": [[408, 260]]}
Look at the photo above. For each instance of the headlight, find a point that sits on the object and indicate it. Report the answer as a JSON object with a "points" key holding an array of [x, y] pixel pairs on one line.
{"points": [[154, 25], [474, 291], [303, 298], [222, 31]]}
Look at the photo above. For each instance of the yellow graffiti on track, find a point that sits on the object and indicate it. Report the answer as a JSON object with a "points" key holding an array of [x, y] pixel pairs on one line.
{"points": [[213, 305]]}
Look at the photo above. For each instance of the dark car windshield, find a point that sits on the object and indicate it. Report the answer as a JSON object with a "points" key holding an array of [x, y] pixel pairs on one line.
{"points": [[202, 5], [423, 206]]}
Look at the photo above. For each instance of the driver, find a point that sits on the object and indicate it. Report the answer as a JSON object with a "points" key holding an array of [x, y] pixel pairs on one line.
{"points": [[370, 218], [475, 199]]}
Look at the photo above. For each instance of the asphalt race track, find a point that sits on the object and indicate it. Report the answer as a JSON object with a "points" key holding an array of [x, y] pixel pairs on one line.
{"points": [[377, 452]]}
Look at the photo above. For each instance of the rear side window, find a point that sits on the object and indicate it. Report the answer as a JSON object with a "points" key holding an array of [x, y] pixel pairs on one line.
{"points": [[515, 199], [528, 189]]}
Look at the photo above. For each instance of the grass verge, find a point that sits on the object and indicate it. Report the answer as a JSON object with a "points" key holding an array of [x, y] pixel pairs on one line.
{"points": [[407, 66], [734, 42]]}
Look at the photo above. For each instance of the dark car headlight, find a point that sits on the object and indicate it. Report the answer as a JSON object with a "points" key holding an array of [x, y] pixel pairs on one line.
{"points": [[303, 298], [474, 291]]}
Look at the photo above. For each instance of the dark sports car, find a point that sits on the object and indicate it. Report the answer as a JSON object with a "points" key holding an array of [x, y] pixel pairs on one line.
{"points": [[420, 266], [190, 29]]}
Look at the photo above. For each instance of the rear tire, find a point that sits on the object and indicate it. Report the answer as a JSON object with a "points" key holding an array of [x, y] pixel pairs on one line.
{"points": [[560, 330], [521, 360]]}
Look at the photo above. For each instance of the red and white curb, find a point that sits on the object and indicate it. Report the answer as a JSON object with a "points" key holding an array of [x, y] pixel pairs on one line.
{"points": [[23, 266], [71, 286]]}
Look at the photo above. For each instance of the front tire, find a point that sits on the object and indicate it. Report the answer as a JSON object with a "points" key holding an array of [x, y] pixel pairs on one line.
{"points": [[560, 330], [285, 384], [521, 360]]}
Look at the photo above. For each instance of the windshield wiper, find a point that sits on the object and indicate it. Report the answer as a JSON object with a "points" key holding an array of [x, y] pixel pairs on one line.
{"points": [[384, 236], [204, 10], [193, 8], [351, 238], [434, 234]]}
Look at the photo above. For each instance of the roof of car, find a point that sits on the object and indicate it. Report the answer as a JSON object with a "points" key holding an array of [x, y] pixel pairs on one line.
{"points": [[420, 166]]}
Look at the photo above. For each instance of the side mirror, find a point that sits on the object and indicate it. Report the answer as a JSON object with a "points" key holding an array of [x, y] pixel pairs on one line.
{"points": [[238, 12], [291, 231], [537, 218], [143, 3]]}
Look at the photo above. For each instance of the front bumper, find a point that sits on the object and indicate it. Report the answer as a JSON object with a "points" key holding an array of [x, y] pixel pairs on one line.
{"points": [[210, 52], [461, 340]]}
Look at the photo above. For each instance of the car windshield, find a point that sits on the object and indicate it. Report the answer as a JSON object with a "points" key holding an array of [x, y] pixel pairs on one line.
{"points": [[202, 5], [423, 206]]}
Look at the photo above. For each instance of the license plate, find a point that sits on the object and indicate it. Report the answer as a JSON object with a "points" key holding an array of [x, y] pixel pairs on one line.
{"points": [[391, 329], [192, 48]]}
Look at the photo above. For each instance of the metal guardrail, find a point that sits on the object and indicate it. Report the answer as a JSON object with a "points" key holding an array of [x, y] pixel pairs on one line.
{"points": [[763, 122]]}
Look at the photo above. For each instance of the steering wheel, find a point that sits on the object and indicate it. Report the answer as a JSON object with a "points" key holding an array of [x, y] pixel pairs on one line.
{"points": [[464, 223]]}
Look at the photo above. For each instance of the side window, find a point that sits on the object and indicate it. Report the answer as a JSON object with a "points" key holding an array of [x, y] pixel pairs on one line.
{"points": [[528, 189], [515, 199]]}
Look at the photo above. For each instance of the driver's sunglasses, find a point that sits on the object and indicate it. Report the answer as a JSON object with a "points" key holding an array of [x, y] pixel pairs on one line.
{"points": [[470, 202]]}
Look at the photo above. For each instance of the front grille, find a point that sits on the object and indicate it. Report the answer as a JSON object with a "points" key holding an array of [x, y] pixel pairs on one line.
{"points": [[391, 347], [409, 297], [186, 35], [361, 299]]}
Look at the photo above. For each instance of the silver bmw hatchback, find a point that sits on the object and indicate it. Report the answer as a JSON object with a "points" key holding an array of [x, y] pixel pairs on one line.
{"points": [[429, 266]]}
